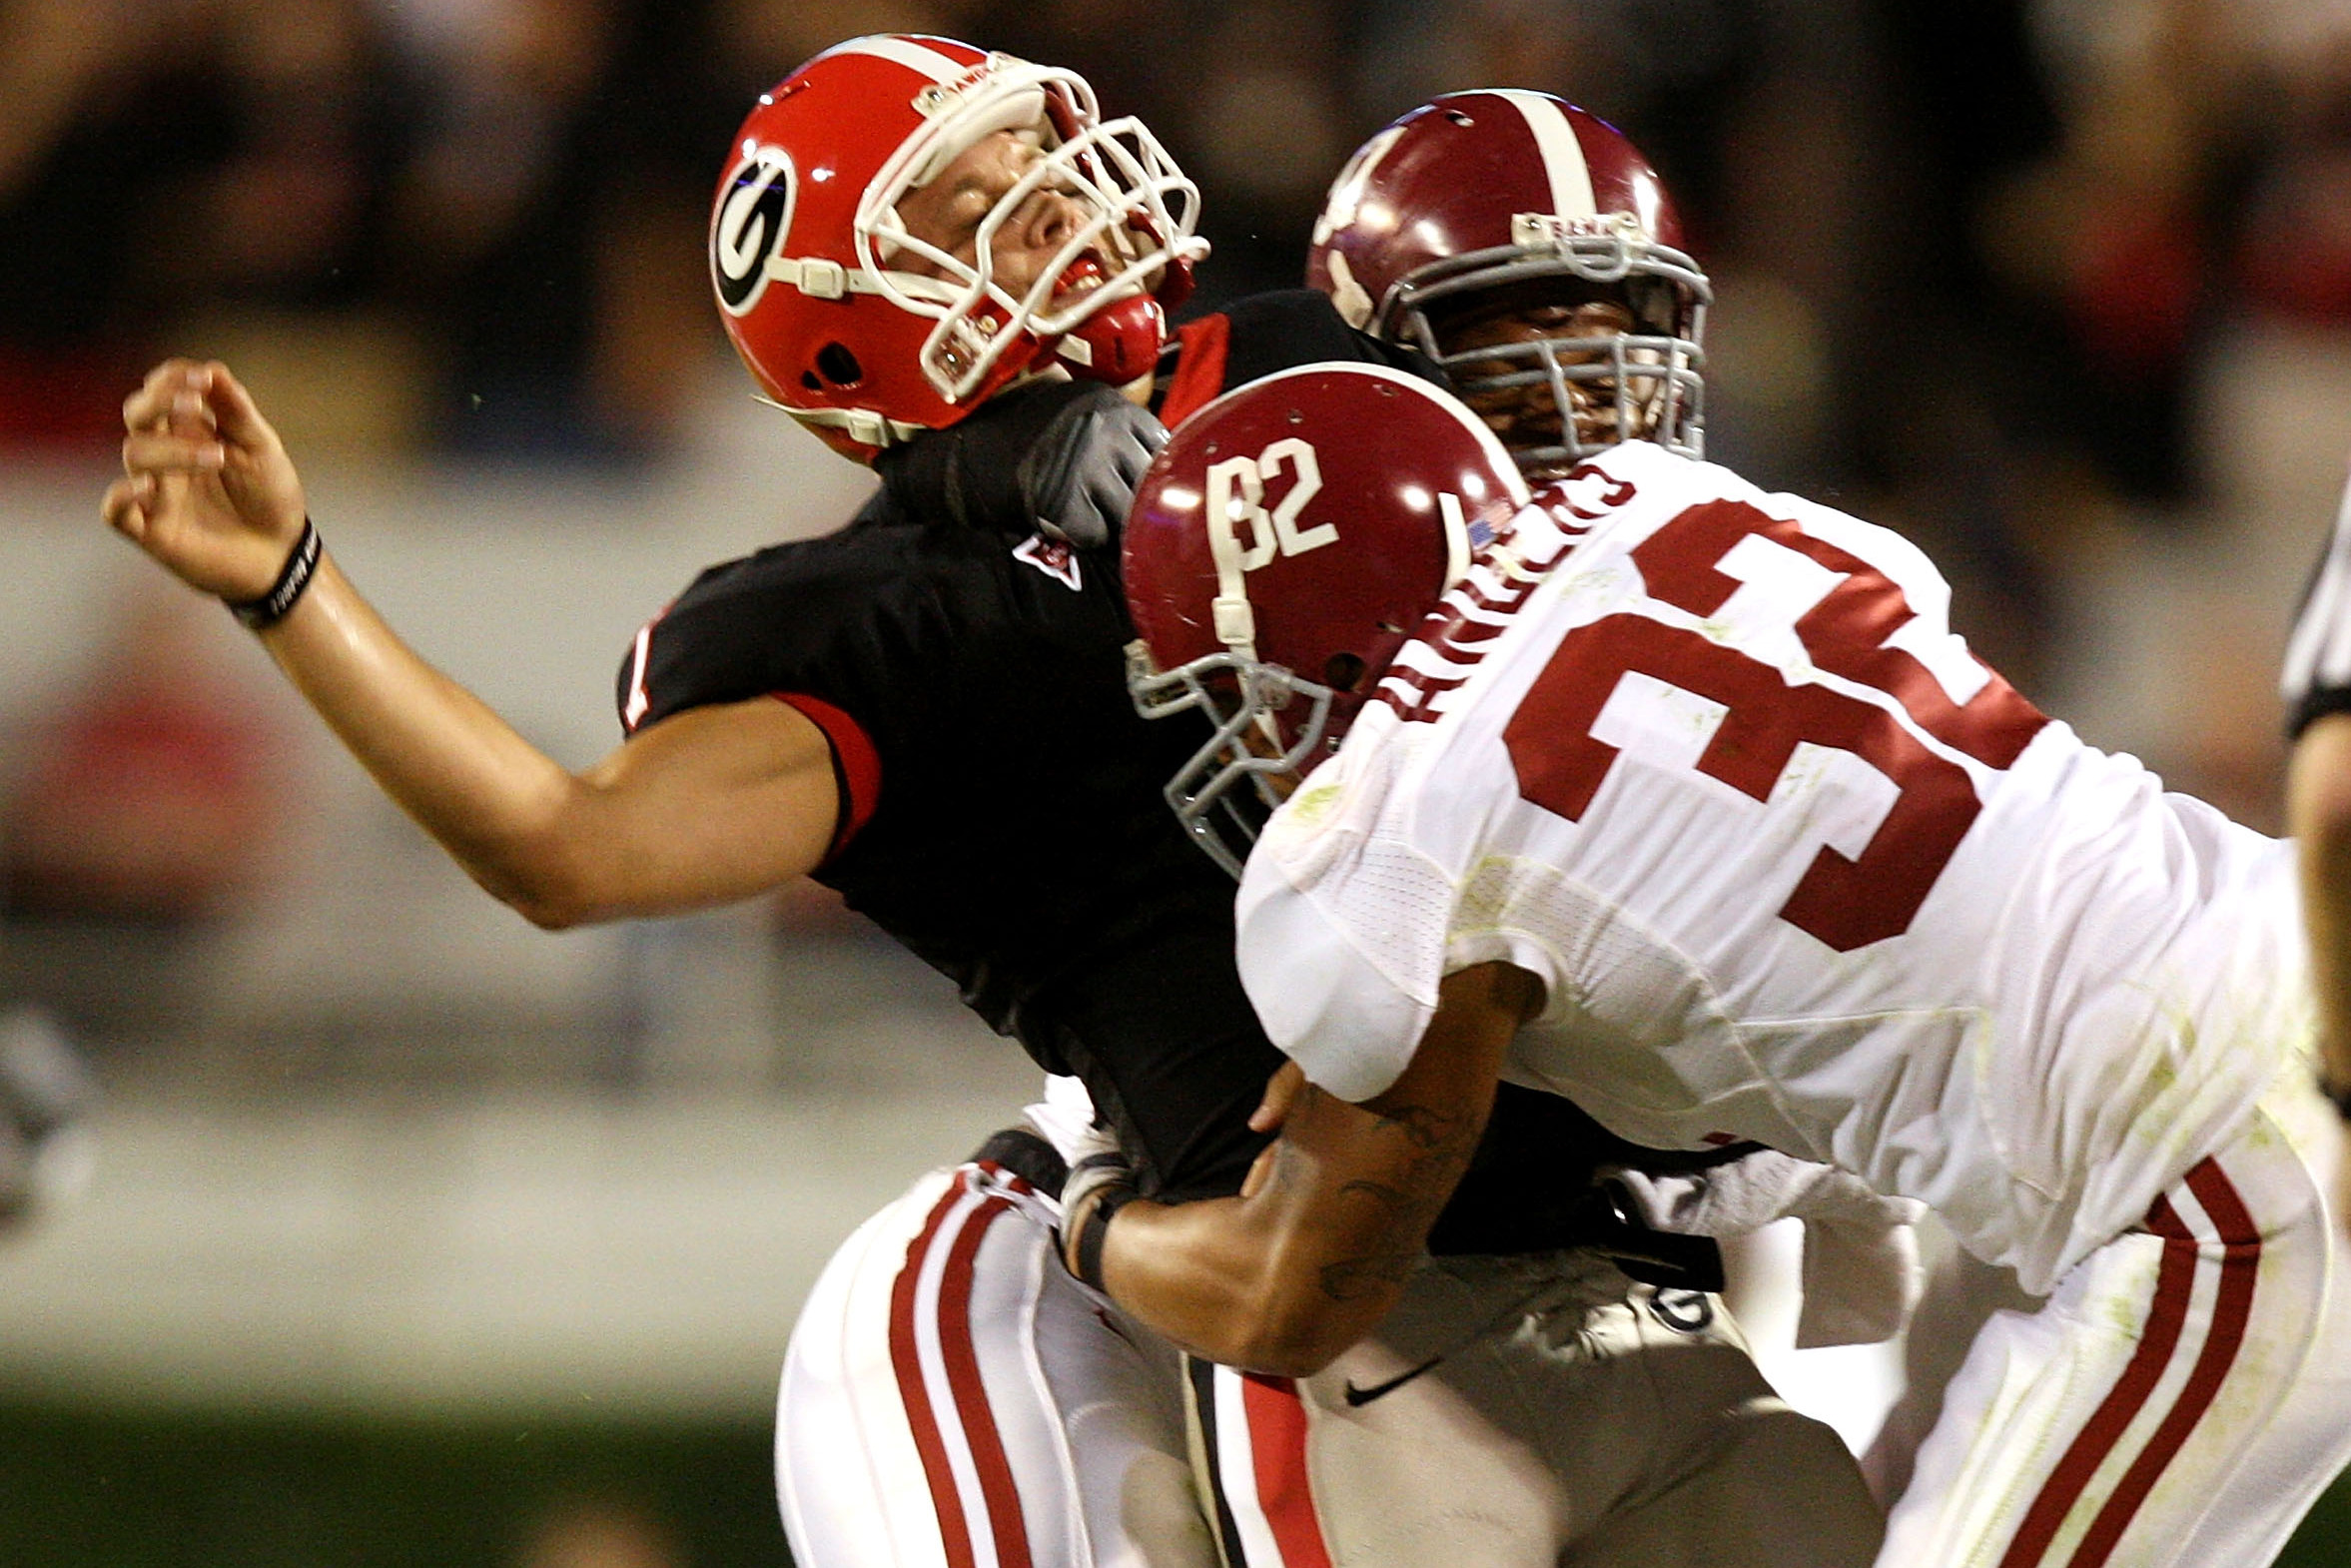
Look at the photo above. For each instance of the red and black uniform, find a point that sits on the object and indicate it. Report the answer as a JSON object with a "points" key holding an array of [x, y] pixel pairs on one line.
{"points": [[1001, 807], [1001, 815]]}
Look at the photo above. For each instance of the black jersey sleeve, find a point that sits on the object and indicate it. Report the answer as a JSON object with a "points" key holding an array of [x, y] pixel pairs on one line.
{"points": [[825, 617]]}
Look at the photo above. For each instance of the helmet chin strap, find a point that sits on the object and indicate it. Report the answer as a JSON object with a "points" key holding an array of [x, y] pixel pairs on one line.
{"points": [[1234, 619], [1116, 344]]}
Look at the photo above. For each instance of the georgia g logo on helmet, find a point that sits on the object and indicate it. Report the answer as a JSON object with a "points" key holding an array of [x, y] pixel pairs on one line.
{"points": [[749, 224]]}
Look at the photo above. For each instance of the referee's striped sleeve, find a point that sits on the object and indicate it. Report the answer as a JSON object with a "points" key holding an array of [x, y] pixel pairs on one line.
{"points": [[2316, 679]]}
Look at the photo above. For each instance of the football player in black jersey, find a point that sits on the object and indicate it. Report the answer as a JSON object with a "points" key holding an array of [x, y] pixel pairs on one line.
{"points": [[933, 719]]}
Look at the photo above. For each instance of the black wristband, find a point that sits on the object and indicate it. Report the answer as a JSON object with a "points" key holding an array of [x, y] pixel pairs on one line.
{"points": [[292, 578], [1095, 1228]]}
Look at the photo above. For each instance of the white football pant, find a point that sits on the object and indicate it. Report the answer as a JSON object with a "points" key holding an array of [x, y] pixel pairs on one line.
{"points": [[952, 1399]]}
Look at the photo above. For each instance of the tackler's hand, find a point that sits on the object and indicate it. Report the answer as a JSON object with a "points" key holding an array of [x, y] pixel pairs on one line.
{"points": [[1061, 459], [1080, 477], [207, 488], [1282, 1096]]}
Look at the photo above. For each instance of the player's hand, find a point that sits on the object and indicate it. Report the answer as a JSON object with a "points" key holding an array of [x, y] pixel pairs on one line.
{"points": [[1079, 478], [1281, 1097], [207, 488], [1282, 1094], [1061, 459]]}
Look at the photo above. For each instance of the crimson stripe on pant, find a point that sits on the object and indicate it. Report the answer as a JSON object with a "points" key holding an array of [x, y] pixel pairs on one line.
{"points": [[1257, 1473], [2175, 1280], [998, 1501], [1278, 1460], [2232, 1308]]}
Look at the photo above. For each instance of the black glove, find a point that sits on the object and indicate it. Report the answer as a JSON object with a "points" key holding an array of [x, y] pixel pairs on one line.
{"points": [[1061, 459], [2317, 676], [1079, 477]]}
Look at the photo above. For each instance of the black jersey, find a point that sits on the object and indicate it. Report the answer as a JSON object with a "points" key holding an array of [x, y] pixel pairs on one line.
{"points": [[1009, 821], [1017, 839], [1009, 825]]}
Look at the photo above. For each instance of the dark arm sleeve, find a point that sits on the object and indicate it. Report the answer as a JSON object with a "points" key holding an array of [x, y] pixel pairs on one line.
{"points": [[970, 472]]}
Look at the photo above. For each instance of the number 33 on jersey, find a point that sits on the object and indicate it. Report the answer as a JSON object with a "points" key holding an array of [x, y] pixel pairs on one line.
{"points": [[1786, 667]]}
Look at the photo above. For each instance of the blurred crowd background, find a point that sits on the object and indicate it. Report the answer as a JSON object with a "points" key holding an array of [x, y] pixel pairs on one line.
{"points": [[2060, 288]]}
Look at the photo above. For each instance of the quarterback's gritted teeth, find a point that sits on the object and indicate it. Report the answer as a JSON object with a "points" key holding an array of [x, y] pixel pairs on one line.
{"points": [[1082, 276]]}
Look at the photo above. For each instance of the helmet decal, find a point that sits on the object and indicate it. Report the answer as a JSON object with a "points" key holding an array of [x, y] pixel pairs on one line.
{"points": [[747, 230], [1237, 496], [1346, 191]]}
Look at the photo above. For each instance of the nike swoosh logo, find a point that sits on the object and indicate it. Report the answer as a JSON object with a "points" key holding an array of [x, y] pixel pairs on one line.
{"points": [[1359, 1397]]}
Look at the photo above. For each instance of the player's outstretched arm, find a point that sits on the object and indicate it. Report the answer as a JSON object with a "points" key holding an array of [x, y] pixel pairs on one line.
{"points": [[710, 805], [1334, 1215]]}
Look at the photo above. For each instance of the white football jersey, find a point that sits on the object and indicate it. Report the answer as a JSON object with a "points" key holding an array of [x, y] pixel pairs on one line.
{"points": [[1792, 865]]}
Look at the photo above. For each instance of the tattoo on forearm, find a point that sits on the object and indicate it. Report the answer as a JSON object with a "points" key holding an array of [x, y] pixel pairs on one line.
{"points": [[1407, 1205], [1426, 1127]]}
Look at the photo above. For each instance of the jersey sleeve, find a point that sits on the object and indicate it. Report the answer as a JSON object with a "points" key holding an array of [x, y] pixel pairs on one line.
{"points": [[857, 766], [822, 627], [1342, 929], [1341, 1017], [740, 630]]}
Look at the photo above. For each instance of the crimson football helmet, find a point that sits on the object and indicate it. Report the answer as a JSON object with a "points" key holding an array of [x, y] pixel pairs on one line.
{"points": [[808, 249], [1282, 546], [1475, 227]]}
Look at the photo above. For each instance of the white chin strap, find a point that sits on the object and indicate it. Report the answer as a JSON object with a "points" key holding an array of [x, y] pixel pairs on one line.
{"points": [[1235, 623]]}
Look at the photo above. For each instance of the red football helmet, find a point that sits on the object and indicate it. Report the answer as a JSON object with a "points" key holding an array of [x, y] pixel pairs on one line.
{"points": [[1480, 209], [1279, 551], [805, 229]]}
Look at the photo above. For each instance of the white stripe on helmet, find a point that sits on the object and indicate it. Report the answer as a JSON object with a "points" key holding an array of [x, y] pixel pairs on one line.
{"points": [[1563, 155], [914, 57]]}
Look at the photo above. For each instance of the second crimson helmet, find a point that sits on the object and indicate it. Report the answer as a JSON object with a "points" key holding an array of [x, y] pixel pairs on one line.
{"points": [[1279, 551], [1506, 201], [807, 248]]}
